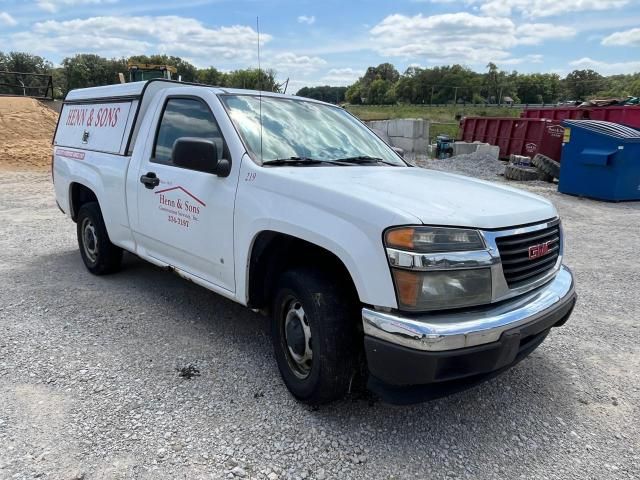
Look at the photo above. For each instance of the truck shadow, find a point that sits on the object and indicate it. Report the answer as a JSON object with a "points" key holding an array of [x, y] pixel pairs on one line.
{"points": [[146, 314]]}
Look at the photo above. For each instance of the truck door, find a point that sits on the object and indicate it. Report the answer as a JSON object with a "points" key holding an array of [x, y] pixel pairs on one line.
{"points": [[185, 219]]}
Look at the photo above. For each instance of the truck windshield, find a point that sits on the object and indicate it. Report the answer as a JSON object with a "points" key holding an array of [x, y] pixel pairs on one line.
{"points": [[299, 129]]}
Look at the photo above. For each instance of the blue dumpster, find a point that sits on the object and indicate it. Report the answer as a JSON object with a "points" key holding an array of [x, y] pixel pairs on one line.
{"points": [[600, 160]]}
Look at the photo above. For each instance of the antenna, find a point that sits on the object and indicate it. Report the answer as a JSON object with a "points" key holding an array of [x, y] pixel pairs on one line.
{"points": [[259, 84]]}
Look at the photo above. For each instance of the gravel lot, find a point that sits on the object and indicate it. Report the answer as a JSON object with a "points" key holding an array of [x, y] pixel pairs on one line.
{"points": [[89, 387]]}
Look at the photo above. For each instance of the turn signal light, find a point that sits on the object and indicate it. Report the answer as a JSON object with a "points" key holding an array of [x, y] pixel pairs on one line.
{"points": [[434, 239], [400, 238], [408, 285]]}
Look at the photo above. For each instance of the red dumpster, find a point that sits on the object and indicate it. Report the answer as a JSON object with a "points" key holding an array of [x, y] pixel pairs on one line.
{"points": [[626, 115], [521, 136]]}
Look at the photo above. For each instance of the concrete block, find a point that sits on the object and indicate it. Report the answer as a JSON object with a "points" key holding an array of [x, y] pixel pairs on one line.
{"points": [[408, 128], [382, 134], [492, 150], [464, 148], [407, 133], [380, 125], [413, 145], [395, 128]]}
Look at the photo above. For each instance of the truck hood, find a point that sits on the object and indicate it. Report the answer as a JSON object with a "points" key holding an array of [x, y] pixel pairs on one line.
{"points": [[428, 196]]}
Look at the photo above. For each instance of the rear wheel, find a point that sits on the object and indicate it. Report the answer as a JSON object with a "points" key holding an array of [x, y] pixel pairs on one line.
{"points": [[314, 337], [100, 256]]}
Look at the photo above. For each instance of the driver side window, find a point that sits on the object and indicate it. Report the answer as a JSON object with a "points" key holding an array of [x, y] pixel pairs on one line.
{"points": [[185, 117]]}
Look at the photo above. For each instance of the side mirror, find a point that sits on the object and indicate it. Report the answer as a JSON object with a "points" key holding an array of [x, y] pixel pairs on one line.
{"points": [[199, 154]]}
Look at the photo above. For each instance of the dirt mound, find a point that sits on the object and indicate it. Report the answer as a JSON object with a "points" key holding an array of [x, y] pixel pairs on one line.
{"points": [[26, 130]]}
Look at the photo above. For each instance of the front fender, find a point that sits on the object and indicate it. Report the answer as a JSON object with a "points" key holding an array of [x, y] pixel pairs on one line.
{"points": [[358, 246]]}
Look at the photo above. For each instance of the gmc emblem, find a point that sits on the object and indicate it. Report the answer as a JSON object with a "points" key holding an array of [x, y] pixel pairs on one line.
{"points": [[539, 250]]}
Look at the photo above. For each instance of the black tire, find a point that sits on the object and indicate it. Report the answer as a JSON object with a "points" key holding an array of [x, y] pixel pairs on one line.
{"points": [[520, 160], [99, 255], [547, 165], [545, 177], [332, 337], [522, 174]]}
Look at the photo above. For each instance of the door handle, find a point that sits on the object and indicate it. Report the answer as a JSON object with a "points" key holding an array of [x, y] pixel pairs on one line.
{"points": [[150, 180]]}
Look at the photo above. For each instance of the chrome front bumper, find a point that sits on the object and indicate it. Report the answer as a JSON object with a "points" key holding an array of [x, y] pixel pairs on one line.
{"points": [[438, 332]]}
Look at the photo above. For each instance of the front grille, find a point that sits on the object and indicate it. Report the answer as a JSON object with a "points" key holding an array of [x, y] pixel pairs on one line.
{"points": [[518, 268]]}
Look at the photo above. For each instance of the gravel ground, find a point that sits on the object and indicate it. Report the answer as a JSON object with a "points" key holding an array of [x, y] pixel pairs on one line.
{"points": [[477, 165], [89, 387]]}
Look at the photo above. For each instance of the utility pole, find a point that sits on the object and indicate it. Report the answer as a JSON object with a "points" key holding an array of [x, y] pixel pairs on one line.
{"points": [[432, 88], [455, 95]]}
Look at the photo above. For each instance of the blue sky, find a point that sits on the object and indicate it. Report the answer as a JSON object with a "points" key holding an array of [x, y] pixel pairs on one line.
{"points": [[332, 42]]}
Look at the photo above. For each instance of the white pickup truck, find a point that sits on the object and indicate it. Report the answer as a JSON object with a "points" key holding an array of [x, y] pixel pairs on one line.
{"points": [[421, 282]]}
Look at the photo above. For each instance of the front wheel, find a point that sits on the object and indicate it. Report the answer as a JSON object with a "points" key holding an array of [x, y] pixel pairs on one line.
{"points": [[314, 336], [99, 255]]}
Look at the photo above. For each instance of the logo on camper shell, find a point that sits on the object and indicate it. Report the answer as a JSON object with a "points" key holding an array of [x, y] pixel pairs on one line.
{"points": [[556, 131]]}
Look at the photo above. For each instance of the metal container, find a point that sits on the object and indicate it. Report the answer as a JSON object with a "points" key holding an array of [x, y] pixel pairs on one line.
{"points": [[519, 136], [600, 160], [626, 115]]}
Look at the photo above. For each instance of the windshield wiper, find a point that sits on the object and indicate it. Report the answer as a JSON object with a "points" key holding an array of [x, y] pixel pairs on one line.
{"points": [[365, 159], [299, 161]]}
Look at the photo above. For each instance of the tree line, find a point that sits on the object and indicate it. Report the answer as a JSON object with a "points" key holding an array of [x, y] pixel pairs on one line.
{"points": [[378, 86], [88, 70], [458, 84], [324, 93]]}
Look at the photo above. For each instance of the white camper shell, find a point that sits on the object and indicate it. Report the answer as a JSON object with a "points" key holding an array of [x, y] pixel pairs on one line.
{"points": [[102, 119]]}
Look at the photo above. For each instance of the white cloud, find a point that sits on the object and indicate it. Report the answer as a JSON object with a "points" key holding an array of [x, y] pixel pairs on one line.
{"points": [[458, 37], [295, 64], [6, 19], [341, 76], [126, 36], [606, 68], [537, 33], [55, 5], [628, 38], [309, 20], [527, 59], [547, 8]]}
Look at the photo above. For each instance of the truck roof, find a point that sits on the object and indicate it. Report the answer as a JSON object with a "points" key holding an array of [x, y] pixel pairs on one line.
{"points": [[137, 89]]}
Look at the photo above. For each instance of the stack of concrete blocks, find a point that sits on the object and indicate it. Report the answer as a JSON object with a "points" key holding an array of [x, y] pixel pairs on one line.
{"points": [[465, 148], [410, 134]]}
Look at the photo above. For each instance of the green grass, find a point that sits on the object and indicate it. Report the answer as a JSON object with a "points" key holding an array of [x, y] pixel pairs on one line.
{"points": [[446, 114], [436, 129], [435, 114], [444, 120]]}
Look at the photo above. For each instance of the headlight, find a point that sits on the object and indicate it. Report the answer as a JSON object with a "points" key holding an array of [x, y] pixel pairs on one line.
{"points": [[434, 239], [437, 268], [437, 290]]}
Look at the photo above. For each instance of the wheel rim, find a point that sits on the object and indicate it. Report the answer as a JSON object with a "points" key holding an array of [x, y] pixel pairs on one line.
{"points": [[89, 240], [297, 336]]}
